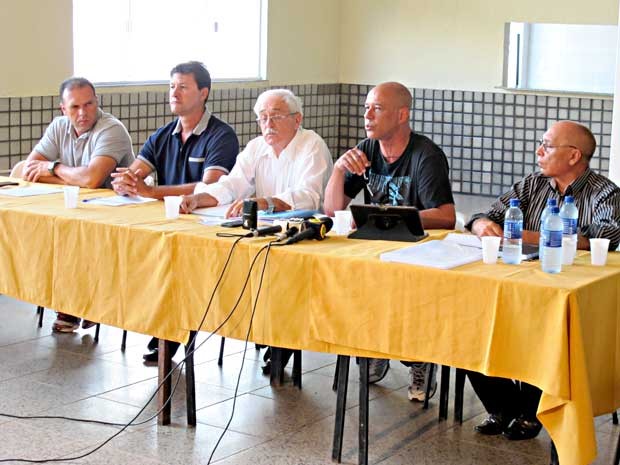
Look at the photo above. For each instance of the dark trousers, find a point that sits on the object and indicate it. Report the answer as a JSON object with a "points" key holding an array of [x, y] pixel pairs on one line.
{"points": [[154, 343], [505, 397]]}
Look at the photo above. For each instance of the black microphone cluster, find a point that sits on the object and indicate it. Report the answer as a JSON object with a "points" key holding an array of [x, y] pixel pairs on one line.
{"points": [[316, 227]]}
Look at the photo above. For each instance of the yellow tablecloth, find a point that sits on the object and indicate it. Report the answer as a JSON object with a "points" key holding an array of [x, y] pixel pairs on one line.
{"points": [[132, 268]]}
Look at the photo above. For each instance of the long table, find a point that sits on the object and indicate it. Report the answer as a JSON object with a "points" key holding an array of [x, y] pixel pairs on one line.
{"points": [[130, 267]]}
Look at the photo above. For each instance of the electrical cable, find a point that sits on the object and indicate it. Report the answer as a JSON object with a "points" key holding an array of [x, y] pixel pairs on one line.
{"points": [[245, 347]]}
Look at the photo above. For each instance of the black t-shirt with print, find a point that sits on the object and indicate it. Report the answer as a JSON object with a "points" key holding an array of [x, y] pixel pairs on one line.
{"points": [[418, 178]]}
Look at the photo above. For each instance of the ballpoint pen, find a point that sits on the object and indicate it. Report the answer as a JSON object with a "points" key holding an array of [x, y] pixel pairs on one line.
{"points": [[367, 186]]}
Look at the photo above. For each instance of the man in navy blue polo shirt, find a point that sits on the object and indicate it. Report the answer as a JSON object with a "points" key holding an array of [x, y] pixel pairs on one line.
{"points": [[195, 147]]}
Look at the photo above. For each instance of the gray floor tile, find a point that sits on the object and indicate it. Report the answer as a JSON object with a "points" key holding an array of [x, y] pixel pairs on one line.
{"points": [[177, 444]]}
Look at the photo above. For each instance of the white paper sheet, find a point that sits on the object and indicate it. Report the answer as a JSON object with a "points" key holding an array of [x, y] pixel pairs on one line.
{"points": [[118, 200], [215, 212], [29, 191]]}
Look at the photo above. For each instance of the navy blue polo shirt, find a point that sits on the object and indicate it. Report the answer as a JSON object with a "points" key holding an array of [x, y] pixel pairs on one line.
{"points": [[212, 145]]}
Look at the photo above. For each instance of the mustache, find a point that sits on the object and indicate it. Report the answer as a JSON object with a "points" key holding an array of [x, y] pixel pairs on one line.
{"points": [[270, 131]]}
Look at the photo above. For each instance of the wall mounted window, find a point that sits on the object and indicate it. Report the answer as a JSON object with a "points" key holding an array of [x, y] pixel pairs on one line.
{"points": [[139, 41], [560, 57]]}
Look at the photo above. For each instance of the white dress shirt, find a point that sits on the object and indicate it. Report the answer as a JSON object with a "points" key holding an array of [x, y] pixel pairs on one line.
{"points": [[298, 176]]}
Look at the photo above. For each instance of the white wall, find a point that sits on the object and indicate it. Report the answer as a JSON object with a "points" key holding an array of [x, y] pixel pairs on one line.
{"points": [[614, 162], [449, 44]]}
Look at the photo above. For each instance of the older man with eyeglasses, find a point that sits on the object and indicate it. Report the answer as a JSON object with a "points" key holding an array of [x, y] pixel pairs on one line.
{"points": [[286, 168], [564, 156]]}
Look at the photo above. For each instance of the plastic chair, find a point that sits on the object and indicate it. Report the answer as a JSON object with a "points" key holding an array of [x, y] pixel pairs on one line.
{"points": [[277, 370], [41, 312]]}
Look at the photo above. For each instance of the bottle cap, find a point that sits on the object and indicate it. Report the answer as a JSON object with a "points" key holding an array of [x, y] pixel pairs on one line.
{"points": [[514, 202], [569, 199], [552, 202], [555, 210]]}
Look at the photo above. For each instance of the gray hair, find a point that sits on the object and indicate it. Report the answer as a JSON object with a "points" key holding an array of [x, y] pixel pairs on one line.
{"points": [[292, 101]]}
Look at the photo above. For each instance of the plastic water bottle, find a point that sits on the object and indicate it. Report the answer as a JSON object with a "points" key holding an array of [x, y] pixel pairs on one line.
{"points": [[570, 219], [550, 203], [513, 233], [552, 242]]}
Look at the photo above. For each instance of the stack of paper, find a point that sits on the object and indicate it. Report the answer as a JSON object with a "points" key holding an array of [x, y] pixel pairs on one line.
{"points": [[437, 254]]}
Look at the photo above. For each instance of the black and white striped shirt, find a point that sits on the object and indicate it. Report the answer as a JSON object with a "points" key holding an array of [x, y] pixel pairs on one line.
{"points": [[596, 197]]}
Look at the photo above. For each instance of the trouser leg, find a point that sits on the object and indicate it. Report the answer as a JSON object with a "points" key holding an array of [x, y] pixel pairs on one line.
{"points": [[529, 399], [500, 396], [154, 343]]}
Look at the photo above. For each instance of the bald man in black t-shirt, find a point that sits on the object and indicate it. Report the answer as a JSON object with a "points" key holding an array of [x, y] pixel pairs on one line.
{"points": [[394, 166]]}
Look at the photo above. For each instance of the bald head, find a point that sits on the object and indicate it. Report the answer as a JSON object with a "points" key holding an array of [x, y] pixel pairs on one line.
{"points": [[578, 135], [395, 93]]}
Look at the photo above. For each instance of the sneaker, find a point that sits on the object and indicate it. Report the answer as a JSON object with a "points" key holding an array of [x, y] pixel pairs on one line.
{"points": [[377, 369], [65, 323], [418, 374]]}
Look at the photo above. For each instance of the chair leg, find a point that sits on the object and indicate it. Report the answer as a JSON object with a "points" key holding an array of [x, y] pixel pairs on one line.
{"points": [[444, 392], [553, 455], [190, 383], [297, 368], [614, 418], [40, 312], [124, 341], [336, 372], [617, 458], [362, 457], [220, 357], [459, 394], [342, 377], [97, 326], [428, 385]]}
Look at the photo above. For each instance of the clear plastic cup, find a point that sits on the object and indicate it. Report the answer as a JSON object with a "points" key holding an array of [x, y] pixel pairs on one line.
{"points": [[172, 204], [598, 251], [490, 249], [71, 196], [343, 221]]}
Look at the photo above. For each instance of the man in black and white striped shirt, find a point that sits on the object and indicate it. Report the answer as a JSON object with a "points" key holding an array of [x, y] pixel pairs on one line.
{"points": [[564, 156]]}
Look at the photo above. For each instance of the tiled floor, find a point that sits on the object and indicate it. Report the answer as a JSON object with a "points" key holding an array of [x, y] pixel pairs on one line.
{"points": [[69, 375]]}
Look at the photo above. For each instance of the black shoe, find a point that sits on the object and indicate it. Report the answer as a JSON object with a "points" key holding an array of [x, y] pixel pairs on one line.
{"points": [[267, 368], [520, 429], [491, 426], [152, 356]]}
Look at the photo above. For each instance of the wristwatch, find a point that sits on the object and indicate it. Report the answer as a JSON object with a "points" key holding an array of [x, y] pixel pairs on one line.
{"points": [[51, 166], [270, 205]]}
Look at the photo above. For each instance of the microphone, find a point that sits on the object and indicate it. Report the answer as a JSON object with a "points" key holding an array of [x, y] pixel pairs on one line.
{"points": [[264, 231], [315, 228], [288, 233]]}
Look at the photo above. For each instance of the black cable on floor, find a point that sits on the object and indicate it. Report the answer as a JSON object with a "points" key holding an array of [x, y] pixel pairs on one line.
{"points": [[247, 336]]}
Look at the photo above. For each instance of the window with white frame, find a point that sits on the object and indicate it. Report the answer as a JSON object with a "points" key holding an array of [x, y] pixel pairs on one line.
{"points": [[560, 57], [134, 41]]}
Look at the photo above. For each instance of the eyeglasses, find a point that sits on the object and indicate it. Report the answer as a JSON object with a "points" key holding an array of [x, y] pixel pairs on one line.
{"points": [[546, 147], [264, 119]]}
